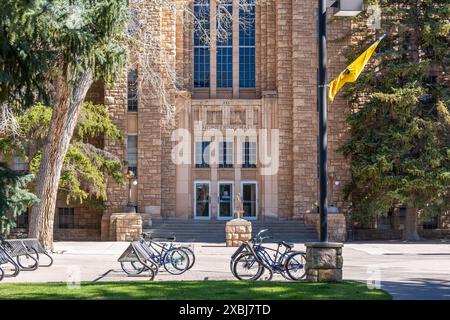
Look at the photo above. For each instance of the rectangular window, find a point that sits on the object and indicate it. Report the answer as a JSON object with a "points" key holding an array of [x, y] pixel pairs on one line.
{"points": [[202, 154], [249, 154], [22, 220], [201, 44], [133, 22], [19, 164], [132, 89], [431, 223], [225, 45], [132, 153], [66, 218], [202, 198], [249, 199], [247, 32], [226, 154]]}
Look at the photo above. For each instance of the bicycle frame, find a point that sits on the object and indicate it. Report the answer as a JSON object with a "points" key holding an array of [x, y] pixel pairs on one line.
{"points": [[246, 247], [160, 251], [276, 263]]}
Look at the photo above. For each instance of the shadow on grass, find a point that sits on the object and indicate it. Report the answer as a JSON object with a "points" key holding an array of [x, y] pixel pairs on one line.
{"points": [[194, 290]]}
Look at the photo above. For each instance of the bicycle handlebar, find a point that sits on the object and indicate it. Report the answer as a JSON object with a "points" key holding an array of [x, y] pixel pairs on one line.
{"points": [[259, 238]]}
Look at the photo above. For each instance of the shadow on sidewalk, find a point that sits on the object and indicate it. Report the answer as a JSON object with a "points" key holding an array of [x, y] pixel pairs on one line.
{"points": [[418, 289]]}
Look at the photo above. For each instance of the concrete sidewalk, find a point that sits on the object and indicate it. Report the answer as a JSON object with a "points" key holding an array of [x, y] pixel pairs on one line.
{"points": [[406, 270]]}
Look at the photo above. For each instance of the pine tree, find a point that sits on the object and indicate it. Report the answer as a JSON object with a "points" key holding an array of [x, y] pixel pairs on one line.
{"points": [[52, 51], [14, 198], [399, 142]]}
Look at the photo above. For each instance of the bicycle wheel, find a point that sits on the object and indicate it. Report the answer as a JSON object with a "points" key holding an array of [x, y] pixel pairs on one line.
{"points": [[176, 261], [191, 255], [132, 268], [295, 266], [2, 274], [247, 268], [30, 261]]}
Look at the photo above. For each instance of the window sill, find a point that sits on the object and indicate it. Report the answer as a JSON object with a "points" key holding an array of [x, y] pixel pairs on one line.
{"points": [[202, 166], [226, 166]]}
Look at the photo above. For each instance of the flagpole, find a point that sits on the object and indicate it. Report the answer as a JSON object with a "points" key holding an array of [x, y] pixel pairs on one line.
{"points": [[323, 108]]}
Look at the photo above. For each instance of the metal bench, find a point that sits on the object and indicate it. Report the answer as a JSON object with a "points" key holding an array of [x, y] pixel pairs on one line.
{"points": [[135, 253], [15, 248], [35, 245], [5, 259]]}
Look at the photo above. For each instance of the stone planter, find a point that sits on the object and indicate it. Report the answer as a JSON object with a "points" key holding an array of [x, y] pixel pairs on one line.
{"points": [[237, 231], [125, 227]]}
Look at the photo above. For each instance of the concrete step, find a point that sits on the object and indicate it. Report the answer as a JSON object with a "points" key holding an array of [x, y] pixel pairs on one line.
{"points": [[213, 231]]}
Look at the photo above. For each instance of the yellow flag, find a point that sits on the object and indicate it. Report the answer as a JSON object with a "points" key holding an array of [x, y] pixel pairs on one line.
{"points": [[353, 71]]}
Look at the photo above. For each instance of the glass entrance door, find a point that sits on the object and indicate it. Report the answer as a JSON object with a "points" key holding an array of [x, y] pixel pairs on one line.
{"points": [[202, 203], [250, 200], [225, 206]]}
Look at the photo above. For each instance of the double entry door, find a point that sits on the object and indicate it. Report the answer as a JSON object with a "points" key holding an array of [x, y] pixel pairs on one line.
{"points": [[225, 200]]}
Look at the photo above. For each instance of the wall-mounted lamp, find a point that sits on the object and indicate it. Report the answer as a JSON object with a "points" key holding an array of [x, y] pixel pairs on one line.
{"points": [[347, 8]]}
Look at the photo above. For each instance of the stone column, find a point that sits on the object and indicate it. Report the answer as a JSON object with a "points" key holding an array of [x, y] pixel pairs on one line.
{"points": [[269, 182], [324, 261]]}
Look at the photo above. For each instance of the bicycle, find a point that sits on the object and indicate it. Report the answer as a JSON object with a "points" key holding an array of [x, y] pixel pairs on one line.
{"points": [[189, 251], [175, 260], [252, 259]]}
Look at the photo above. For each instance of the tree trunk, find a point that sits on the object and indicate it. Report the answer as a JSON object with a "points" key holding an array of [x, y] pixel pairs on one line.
{"points": [[410, 230], [68, 101]]}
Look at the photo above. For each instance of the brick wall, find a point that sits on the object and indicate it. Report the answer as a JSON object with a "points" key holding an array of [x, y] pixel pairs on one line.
{"points": [[283, 23], [286, 67]]}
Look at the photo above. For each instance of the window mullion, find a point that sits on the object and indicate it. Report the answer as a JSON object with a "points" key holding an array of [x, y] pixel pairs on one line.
{"points": [[213, 50], [236, 49]]}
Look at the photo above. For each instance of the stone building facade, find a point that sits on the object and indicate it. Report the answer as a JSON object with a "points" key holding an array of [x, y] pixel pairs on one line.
{"points": [[260, 79], [240, 118]]}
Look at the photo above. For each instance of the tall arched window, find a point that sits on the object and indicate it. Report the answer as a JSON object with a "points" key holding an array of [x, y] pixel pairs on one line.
{"points": [[247, 31], [225, 45], [225, 30], [201, 44]]}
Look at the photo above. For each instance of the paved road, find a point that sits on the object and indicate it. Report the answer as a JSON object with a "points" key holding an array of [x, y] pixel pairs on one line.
{"points": [[406, 270]]}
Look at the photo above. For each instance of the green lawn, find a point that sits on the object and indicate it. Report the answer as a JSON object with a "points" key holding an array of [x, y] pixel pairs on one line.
{"points": [[193, 290]]}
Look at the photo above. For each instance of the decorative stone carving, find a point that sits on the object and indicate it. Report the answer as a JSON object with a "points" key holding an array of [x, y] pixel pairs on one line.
{"points": [[239, 211], [237, 117], [214, 117]]}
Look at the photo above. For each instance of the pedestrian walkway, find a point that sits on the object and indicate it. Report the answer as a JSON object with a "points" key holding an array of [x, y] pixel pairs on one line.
{"points": [[406, 270]]}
